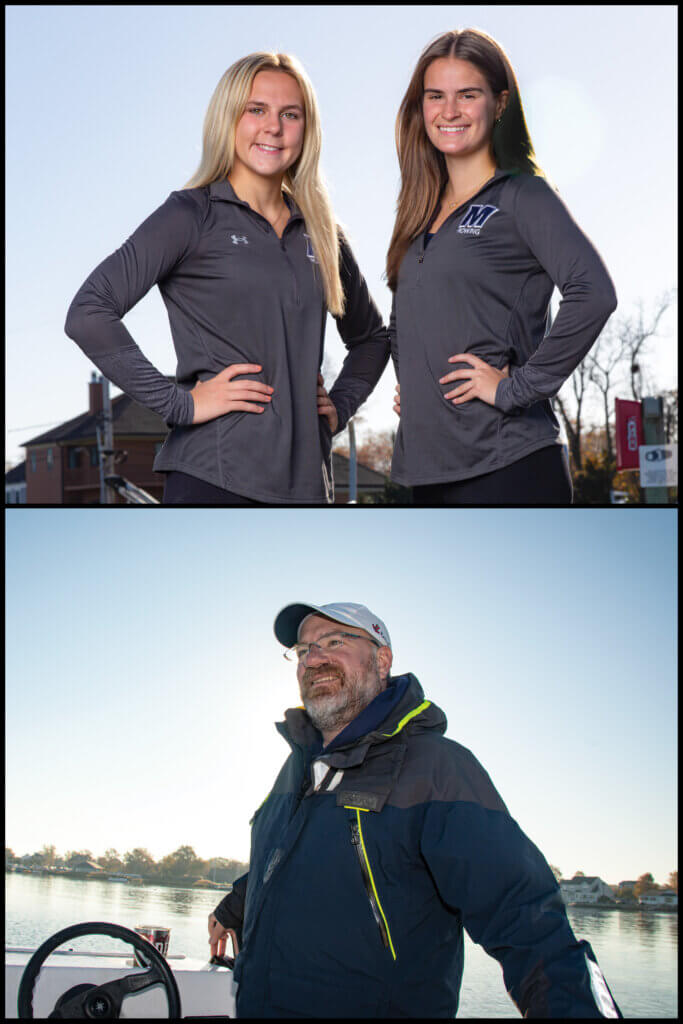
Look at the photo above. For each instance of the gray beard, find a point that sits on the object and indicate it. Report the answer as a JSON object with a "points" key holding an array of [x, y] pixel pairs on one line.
{"points": [[335, 711]]}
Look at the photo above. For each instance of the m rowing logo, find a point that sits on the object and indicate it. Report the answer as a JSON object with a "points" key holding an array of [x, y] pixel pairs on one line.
{"points": [[309, 249], [475, 218], [236, 239]]}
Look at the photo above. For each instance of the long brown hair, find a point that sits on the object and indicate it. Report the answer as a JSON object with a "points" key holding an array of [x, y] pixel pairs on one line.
{"points": [[422, 166], [303, 180]]}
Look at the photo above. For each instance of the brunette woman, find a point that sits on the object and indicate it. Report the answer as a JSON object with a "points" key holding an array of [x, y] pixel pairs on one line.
{"points": [[480, 240], [249, 260]]}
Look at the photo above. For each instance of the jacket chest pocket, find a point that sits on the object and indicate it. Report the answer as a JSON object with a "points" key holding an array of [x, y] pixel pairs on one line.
{"points": [[373, 896]]}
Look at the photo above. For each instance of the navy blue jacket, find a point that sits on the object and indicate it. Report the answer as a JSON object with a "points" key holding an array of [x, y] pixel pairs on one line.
{"points": [[358, 890]]}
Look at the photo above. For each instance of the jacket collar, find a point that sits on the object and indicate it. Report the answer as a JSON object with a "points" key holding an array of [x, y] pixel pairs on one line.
{"points": [[224, 191], [411, 712]]}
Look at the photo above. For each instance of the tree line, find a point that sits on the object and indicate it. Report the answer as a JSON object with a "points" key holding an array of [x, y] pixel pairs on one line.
{"points": [[617, 366], [183, 863]]}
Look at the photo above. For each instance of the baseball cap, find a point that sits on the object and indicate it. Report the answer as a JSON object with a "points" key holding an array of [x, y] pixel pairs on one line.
{"points": [[288, 621]]}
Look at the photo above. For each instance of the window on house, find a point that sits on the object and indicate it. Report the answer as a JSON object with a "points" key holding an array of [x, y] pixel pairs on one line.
{"points": [[50, 458], [74, 458], [93, 456], [34, 462]]}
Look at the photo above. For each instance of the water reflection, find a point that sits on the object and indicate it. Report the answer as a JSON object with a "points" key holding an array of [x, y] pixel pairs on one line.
{"points": [[180, 901], [636, 950], [646, 926]]}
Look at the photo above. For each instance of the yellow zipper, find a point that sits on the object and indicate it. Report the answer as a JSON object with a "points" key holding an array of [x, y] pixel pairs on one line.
{"points": [[371, 876]]}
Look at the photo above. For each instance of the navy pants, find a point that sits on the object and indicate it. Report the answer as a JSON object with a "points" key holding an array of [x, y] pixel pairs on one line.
{"points": [[541, 478], [183, 489]]}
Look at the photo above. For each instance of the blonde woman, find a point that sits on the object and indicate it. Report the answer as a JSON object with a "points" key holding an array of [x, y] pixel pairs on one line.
{"points": [[249, 259], [480, 240]]}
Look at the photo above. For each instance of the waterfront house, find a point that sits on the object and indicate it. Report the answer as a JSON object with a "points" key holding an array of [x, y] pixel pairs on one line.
{"points": [[585, 889], [85, 867], [659, 898]]}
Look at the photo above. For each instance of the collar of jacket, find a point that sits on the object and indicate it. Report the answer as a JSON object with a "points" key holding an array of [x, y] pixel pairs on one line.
{"points": [[412, 712], [223, 190], [498, 175]]}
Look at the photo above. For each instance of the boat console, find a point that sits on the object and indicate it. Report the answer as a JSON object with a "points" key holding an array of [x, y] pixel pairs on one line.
{"points": [[108, 986]]}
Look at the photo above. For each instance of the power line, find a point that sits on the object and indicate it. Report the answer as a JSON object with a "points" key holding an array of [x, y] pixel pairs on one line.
{"points": [[36, 426]]}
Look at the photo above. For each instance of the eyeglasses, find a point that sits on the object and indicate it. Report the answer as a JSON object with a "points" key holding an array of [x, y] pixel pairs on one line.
{"points": [[330, 642]]}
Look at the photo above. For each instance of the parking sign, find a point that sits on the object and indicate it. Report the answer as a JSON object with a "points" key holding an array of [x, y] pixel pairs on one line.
{"points": [[658, 465]]}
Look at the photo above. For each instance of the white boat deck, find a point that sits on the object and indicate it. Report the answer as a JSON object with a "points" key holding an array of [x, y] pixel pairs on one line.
{"points": [[205, 990]]}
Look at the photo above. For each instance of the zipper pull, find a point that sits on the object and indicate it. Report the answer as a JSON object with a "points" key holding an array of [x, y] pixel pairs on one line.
{"points": [[420, 258], [355, 838]]}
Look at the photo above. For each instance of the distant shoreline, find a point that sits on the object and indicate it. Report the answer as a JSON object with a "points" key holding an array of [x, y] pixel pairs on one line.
{"points": [[209, 886], [629, 908], [77, 876]]}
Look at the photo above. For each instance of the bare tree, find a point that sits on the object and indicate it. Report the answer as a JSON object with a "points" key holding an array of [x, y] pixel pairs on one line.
{"points": [[617, 357], [330, 370], [579, 383], [670, 416], [636, 331], [604, 362]]}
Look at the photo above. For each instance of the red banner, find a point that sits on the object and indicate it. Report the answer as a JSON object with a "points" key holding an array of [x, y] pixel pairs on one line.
{"points": [[629, 430]]}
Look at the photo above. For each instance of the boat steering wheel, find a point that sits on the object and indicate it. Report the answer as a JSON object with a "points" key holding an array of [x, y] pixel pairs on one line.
{"points": [[99, 1002]]}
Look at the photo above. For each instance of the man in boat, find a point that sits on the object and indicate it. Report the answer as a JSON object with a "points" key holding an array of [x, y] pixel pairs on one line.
{"points": [[379, 841]]}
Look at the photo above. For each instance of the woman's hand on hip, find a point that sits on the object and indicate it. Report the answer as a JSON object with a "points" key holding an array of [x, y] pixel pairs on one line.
{"points": [[482, 380], [221, 394], [397, 400], [326, 406]]}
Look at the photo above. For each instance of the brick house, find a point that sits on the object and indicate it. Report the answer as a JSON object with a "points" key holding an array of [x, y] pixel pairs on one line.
{"points": [[62, 464]]}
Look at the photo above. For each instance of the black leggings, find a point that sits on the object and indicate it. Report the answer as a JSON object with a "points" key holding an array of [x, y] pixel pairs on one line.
{"points": [[541, 478], [183, 489]]}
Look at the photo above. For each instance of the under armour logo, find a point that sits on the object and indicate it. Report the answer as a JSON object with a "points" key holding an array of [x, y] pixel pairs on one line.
{"points": [[236, 239], [475, 218]]}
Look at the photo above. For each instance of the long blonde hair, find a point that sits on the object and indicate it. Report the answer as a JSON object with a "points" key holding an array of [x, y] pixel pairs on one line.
{"points": [[303, 180], [423, 167]]}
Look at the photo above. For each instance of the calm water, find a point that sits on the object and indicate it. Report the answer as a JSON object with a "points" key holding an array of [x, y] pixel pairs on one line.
{"points": [[636, 951]]}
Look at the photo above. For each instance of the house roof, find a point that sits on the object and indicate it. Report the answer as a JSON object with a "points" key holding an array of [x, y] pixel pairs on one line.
{"points": [[129, 418], [581, 880], [17, 474], [365, 476]]}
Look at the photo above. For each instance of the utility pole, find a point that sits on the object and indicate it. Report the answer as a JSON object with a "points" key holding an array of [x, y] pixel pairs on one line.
{"points": [[653, 433], [105, 443], [353, 467]]}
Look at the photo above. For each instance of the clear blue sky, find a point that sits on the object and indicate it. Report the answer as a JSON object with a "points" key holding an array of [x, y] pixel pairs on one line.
{"points": [[104, 111], [143, 676]]}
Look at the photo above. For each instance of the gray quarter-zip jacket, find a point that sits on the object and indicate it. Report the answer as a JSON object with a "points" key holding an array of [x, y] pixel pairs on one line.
{"points": [[235, 293], [483, 285]]}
